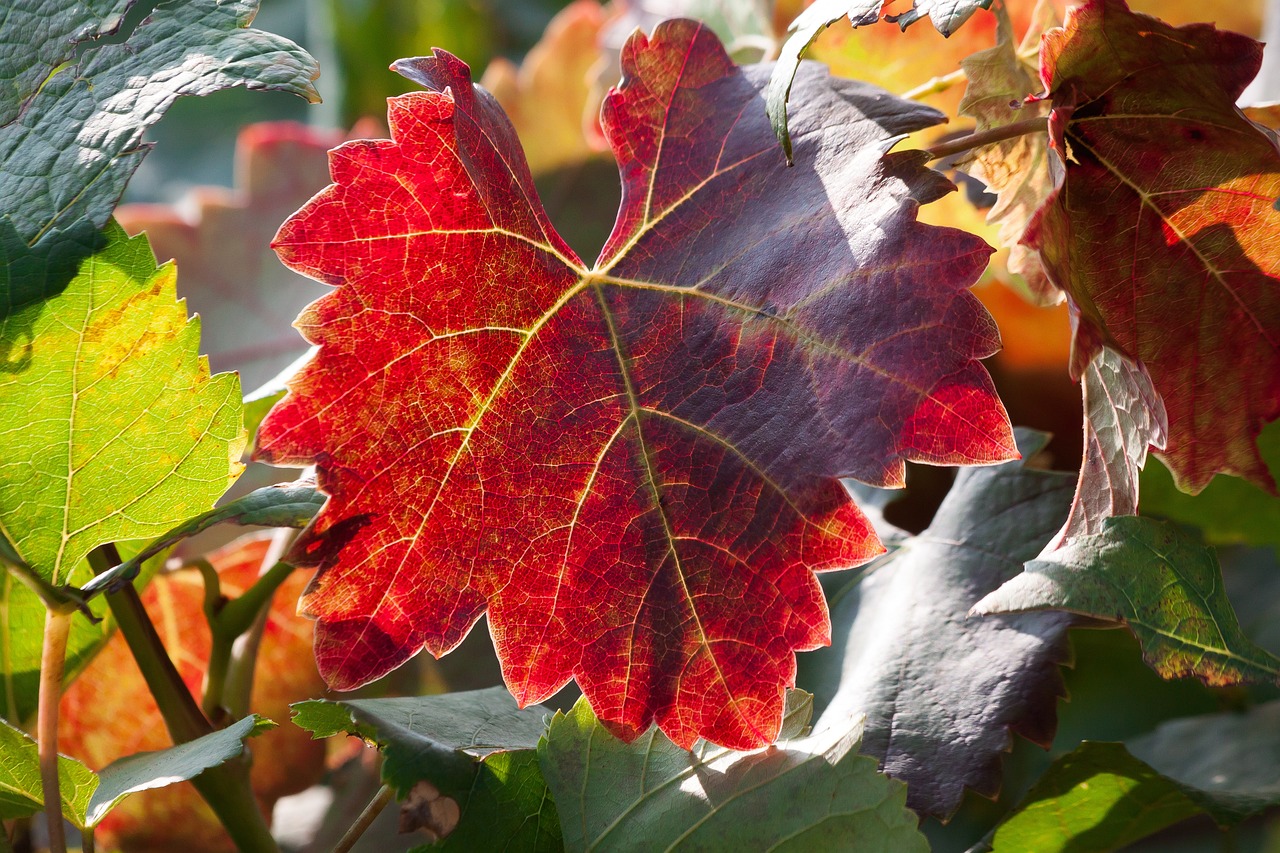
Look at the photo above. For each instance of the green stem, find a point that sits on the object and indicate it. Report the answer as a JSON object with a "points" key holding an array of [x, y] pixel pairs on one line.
{"points": [[227, 621], [57, 627], [366, 818], [934, 85], [225, 787], [988, 137], [251, 617]]}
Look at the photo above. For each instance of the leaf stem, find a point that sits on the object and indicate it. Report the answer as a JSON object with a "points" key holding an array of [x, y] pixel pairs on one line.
{"points": [[988, 137], [365, 820], [57, 627], [934, 85]]}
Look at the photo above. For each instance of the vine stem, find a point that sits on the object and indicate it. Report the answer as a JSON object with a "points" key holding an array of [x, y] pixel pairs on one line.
{"points": [[988, 137], [225, 787], [366, 818], [53, 656]]}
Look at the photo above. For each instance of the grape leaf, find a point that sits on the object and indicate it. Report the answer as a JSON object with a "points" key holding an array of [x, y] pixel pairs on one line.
{"points": [[117, 431], [812, 793], [475, 748], [72, 114], [947, 17], [1220, 764], [246, 299], [633, 466], [939, 693], [1123, 416], [998, 81], [114, 431], [1161, 582], [22, 792], [1161, 230]]}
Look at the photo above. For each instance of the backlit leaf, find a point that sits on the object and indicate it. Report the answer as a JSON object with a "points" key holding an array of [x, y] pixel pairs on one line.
{"points": [[939, 692], [813, 793], [1161, 582], [1162, 230], [114, 430], [73, 114], [1107, 796], [633, 466], [21, 791]]}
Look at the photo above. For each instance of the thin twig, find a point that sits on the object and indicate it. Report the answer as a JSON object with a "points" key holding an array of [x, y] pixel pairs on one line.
{"points": [[366, 818], [57, 627], [934, 85], [988, 137]]}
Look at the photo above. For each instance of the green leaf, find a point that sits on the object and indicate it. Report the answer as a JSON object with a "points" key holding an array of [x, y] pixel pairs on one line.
{"points": [[473, 747], [1156, 578], [937, 693], [1103, 796], [947, 17], [88, 797], [815, 793], [114, 431], [21, 793], [72, 126], [146, 770], [1230, 510], [282, 505]]}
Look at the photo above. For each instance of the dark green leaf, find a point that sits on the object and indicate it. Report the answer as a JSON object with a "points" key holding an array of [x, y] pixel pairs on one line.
{"points": [[146, 770], [1158, 579], [940, 691], [814, 793], [71, 128], [474, 747]]}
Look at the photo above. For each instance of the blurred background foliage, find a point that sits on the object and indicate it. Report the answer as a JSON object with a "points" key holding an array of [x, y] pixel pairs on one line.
{"points": [[549, 62]]}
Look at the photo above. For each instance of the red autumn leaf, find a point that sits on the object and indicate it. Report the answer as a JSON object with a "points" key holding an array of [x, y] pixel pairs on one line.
{"points": [[1162, 231], [632, 466]]}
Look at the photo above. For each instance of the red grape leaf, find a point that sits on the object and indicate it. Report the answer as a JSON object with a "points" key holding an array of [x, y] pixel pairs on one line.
{"points": [[1162, 231], [632, 466]]}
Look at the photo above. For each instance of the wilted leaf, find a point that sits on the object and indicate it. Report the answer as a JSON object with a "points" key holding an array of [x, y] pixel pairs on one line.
{"points": [[463, 762], [1161, 582], [245, 297], [108, 712], [72, 114], [1107, 796], [814, 793], [999, 80], [941, 691], [1161, 232], [1123, 416], [632, 466]]}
